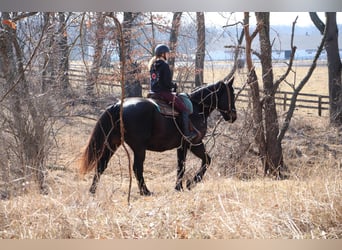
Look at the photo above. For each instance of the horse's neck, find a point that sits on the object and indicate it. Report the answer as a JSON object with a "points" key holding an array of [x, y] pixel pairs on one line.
{"points": [[206, 100], [204, 109]]}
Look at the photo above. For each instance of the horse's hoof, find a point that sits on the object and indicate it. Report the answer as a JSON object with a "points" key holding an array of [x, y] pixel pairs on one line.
{"points": [[146, 193], [179, 187], [92, 190], [189, 184]]}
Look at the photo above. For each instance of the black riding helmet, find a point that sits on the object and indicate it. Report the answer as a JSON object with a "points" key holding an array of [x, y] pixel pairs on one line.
{"points": [[161, 49]]}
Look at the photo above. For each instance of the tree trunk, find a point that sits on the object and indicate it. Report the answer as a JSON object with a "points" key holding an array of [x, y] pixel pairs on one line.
{"points": [[274, 158], [253, 82], [174, 38], [334, 64], [48, 72], [95, 69], [200, 52], [133, 86], [334, 68], [26, 122], [63, 53], [264, 110]]}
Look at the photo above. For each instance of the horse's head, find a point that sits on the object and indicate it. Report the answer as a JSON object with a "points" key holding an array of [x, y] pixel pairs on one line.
{"points": [[226, 101], [218, 96]]}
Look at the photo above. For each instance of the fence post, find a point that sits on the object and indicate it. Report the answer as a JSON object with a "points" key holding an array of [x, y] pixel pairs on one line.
{"points": [[320, 105], [285, 100]]}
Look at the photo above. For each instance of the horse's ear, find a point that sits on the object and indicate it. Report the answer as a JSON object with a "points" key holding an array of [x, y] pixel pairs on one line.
{"points": [[229, 82]]}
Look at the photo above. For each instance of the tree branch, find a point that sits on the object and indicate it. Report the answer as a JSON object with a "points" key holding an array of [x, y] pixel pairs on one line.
{"points": [[257, 54], [317, 22], [230, 25], [123, 69], [24, 15], [289, 68], [27, 65], [299, 88]]}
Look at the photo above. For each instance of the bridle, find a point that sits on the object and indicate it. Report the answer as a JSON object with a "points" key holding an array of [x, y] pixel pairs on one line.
{"points": [[212, 106], [230, 108]]}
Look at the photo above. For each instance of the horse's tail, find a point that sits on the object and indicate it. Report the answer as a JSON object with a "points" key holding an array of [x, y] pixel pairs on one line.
{"points": [[100, 138]]}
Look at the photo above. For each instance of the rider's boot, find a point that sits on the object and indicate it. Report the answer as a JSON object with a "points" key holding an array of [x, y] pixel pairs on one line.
{"points": [[189, 135]]}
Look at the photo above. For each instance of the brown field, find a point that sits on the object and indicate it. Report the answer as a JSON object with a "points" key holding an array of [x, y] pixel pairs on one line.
{"points": [[233, 201], [316, 85]]}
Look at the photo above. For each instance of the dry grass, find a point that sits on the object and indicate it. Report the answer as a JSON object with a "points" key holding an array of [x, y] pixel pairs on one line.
{"points": [[318, 83], [308, 205], [219, 208], [233, 201]]}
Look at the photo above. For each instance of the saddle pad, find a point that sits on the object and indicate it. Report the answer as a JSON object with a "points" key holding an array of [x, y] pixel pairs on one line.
{"points": [[165, 108]]}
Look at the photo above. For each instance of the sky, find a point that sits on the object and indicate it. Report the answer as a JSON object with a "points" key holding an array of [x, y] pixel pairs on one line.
{"points": [[276, 18]]}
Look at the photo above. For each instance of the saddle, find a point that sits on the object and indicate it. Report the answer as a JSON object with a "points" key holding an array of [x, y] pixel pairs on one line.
{"points": [[164, 107]]}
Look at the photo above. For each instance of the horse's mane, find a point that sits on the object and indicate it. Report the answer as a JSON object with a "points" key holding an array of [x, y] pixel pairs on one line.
{"points": [[201, 94]]}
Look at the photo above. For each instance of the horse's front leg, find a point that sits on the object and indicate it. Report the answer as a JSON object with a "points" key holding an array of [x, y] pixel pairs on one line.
{"points": [[200, 152], [181, 157], [138, 168]]}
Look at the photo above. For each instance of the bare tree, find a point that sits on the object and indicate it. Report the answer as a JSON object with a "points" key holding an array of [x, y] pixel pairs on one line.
{"points": [[200, 52], [56, 52], [93, 75], [132, 84], [268, 134], [29, 98], [334, 64], [266, 126], [176, 21], [255, 93], [26, 121], [274, 155], [49, 70], [63, 67]]}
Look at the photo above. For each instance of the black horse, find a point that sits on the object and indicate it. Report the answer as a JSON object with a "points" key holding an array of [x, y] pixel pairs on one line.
{"points": [[147, 129]]}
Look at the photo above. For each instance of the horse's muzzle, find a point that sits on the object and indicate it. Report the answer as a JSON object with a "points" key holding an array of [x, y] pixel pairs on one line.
{"points": [[233, 116], [229, 116]]}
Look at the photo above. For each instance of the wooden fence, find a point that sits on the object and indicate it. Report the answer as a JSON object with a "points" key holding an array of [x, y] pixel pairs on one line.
{"points": [[304, 101], [283, 98]]}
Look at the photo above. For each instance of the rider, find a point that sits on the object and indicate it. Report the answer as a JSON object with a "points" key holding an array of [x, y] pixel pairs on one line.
{"points": [[161, 83]]}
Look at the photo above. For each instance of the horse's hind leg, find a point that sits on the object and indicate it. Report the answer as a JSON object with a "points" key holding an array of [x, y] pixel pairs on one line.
{"points": [[101, 167], [138, 168], [181, 156], [200, 152]]}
